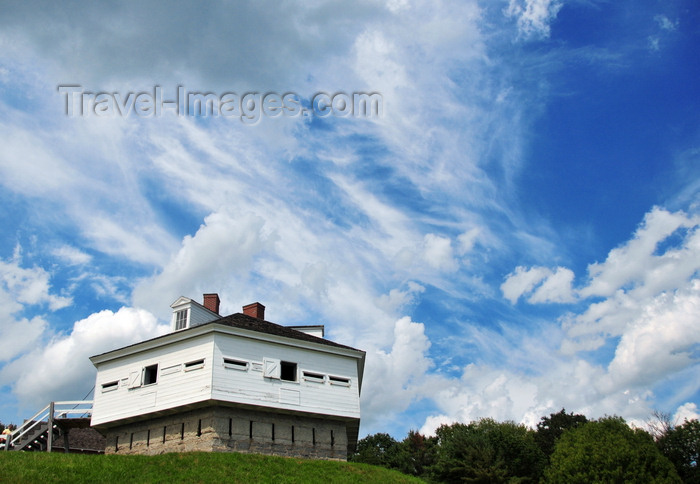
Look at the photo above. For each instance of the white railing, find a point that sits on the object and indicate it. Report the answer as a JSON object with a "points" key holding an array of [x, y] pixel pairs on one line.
{"points": [[53, 411]]}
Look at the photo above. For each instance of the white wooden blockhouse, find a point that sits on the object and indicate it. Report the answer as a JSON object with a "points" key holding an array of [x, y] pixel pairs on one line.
{"points": [[233, 383]]}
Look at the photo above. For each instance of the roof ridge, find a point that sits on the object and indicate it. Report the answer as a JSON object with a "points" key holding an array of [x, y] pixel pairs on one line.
{"points": [[244, 321]]}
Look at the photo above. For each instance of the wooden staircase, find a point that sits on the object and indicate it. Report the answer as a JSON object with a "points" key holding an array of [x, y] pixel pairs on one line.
{"points": [[49, 429]]}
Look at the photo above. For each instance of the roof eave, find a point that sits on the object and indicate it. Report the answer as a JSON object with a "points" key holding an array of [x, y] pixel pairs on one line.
{"points": [[214, 327]]}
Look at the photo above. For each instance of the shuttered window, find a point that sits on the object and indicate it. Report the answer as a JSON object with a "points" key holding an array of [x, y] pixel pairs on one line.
{"points": [[271, 368], [135, 378]]}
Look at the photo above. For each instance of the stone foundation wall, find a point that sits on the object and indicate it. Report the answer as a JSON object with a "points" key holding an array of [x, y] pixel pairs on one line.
{"points": [[224, 429]]}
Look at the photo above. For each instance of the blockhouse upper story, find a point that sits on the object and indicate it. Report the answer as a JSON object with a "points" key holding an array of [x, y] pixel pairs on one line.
{"points": [[239, 360]]}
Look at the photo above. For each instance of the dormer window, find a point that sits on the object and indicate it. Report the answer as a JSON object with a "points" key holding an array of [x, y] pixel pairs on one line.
{"points": [[188, 313], [181, 319]]}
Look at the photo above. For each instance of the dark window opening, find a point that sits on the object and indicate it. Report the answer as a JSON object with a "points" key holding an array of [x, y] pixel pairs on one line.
{"points": [[288, 371], [150, 374], [235, 364], [193, 365], [113, 385], [339, 380], [314, 377]]}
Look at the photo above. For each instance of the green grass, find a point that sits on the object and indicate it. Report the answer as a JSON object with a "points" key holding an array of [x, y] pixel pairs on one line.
{"points": [[196, 467]]}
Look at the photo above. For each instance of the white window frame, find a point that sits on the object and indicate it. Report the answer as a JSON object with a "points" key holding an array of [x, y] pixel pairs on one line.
{"points": [[314, 377], [235, 364], [169, 370], [110, 386], [181, 319], [341, 381], [147, 368], [194, 365]]}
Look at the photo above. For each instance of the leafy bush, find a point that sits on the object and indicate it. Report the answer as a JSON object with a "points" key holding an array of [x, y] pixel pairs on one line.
{"points": [[608, 450], [487, 451]]}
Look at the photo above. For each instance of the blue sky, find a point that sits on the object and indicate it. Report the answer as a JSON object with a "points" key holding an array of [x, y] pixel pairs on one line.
{"points": [[516, 233]]}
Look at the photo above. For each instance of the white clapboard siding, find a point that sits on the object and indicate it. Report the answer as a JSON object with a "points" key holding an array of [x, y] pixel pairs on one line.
{"points": [[260, 383], [227, 365], [175, 386]]}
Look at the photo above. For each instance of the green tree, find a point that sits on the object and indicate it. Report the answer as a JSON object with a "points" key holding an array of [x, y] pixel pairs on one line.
{"points": [[608, 450], [415, 454], [681, 445], [551, 428], [487, 452], [378, 449]]}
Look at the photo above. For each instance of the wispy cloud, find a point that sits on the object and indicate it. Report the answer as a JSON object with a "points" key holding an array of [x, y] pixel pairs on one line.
{"points": [[433, 236], [533, 16]]}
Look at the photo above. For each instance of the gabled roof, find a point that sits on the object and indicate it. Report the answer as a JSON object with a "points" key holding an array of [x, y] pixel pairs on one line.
{"points": [[243, 321]]}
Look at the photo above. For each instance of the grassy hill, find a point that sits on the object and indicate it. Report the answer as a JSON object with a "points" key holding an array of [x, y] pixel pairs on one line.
{"points": [[196, 467]]}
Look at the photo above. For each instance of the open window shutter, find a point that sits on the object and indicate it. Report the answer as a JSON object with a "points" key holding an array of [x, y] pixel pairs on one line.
{"points": [[271, 368], [135, 378]]}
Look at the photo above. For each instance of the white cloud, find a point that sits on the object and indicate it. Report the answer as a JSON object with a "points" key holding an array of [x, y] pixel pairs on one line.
{"points": [[139, 243], [437, 252], [108, 53], [18, 335], [393, 379], [660, 259], [222, 248], [522, 281], [29, 286], [556, 288], [304, 225], [534, 16], [60, 369], [637, 265], [20, 289], [654, 43], [468, 239], [687, 411], [71, 255], [652, 305], [398, 298], [434, 422], [665, 23], [79, 187], [503, 393], [658, 342]]}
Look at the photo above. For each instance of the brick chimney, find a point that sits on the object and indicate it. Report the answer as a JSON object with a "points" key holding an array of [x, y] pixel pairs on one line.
{"points": [[255, 310], [211, 302]]}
